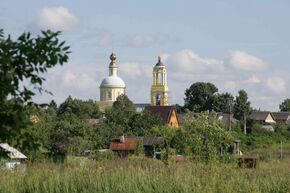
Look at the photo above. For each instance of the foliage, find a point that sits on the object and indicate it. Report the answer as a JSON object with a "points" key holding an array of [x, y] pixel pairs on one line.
{"points": [[199, 96], [223, 102], [285, 105], [206, 136], [22, 62], [242, 106], [82, 109], [124, 103]]}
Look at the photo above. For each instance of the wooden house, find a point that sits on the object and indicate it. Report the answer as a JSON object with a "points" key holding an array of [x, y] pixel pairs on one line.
{"points": [[281, 117], [125, 146], [168, 114], [263, 117]]}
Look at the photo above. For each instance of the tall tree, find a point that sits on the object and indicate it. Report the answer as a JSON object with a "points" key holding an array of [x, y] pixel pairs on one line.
{"points": [[223, 102], [242, 107], [200, 96], [80, 108], [124, 103], [285, 105], [25, 60]]}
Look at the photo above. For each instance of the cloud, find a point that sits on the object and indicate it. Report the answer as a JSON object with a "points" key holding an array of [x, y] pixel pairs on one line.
{"points": [[244, 61], [130, 69], [276, 85], [253, 80], [78, 81], [56, 18], [231, 85], [144, 40], [187, 61]]}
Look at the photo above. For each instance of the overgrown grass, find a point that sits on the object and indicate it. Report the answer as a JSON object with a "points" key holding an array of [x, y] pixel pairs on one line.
{"points": [[144, 175]]}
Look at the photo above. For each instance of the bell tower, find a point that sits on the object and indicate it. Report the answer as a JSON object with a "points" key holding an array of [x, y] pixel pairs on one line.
{"points": [[159, 89]]}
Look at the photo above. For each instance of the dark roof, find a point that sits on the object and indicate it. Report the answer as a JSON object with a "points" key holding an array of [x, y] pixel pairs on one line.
{"points": [[181, 118], [150, 140], [159, 63], [225, 118], [281, 116], [141, 105], [163, 111], [259, 115]]}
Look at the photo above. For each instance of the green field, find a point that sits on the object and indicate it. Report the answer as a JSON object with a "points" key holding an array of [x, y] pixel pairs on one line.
{"points": [[145, 175]]}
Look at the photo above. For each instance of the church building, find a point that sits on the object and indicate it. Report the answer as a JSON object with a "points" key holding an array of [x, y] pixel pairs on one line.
{"points": [[159, 88], [112, 86]]}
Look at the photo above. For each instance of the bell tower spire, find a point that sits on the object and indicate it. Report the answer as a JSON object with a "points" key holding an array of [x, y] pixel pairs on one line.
{"points": [[159, 88], [113, 66]]}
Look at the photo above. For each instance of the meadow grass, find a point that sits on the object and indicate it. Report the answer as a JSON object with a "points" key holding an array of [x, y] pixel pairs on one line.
{"points": [[145, 175]]}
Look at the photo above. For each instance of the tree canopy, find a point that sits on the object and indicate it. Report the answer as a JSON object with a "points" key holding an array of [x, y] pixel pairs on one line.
{"points": [[285, 105], [242, 106], [200, 96], [23, 62]]}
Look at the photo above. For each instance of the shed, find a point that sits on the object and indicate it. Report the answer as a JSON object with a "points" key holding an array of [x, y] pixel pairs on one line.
{"points": [[12, 153], [124, 146]]}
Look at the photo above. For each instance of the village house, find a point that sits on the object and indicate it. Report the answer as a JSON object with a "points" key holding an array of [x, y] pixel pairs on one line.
{"points": [[168, 114], [265, 118], [15, 157], [125, 146], [262, 117], [281, 117]]}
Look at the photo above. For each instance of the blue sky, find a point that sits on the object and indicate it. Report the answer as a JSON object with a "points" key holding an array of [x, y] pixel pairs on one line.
{"points": [[233, 44]]}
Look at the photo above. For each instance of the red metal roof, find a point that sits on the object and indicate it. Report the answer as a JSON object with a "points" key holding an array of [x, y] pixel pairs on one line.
{"points": [[128, 144]]}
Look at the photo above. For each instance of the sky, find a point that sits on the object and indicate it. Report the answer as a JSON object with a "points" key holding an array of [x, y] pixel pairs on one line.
{"points": [[233, 44]]}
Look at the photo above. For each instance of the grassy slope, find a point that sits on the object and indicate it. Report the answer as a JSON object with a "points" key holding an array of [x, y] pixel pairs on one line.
{"points": [[145, 175]]}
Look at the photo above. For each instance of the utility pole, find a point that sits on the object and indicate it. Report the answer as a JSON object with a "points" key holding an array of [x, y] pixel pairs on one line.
{"points": [[245, 123], [230, 117], [281, 151]]}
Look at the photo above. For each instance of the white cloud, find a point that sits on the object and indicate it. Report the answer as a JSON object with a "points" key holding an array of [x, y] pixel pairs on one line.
{"points": [[253, 80], [244, 61], [56, 18], [276, 85], [130, 69], [148, 40], [188, 61], [231, 85], [77, 81]]}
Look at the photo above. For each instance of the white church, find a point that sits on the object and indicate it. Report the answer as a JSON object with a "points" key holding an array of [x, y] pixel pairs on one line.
{"points": [[112, 86]]}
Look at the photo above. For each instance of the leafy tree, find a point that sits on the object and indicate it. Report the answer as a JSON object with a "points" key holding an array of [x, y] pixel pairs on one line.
{"points": [[285, 105], [81, 109], [223, 102], [242, 108], [24, 60], [142, 123], [124, 103], [206, 136], [52, 104], [200, 96]]}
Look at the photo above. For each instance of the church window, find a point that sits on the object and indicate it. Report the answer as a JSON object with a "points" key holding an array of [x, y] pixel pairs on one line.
{"points": [[160, 78], [158, 100], [109, 95]]}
